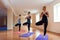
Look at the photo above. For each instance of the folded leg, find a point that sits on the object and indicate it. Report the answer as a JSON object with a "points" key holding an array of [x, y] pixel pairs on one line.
{"points": [[16, 24], [39, 23], [25, 23]]}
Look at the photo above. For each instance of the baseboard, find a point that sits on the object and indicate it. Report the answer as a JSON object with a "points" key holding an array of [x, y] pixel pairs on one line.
{"points": [[47, 31]]}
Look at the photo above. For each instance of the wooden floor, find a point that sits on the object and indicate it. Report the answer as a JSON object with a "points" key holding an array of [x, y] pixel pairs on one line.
{"points": [[12, 35]]}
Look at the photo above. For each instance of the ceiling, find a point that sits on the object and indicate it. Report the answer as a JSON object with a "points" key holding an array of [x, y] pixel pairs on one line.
{"points": [[21, 6]]}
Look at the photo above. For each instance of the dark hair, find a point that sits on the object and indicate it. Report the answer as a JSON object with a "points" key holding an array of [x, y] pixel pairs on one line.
{"points": [[28, 12], [19, 14]]}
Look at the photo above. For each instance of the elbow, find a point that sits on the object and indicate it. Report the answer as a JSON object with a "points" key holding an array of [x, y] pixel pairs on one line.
{"points": [[47, 16]]}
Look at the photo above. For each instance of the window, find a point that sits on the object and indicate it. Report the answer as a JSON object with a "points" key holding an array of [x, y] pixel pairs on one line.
{"points": [[57, 12], [37, 17]]}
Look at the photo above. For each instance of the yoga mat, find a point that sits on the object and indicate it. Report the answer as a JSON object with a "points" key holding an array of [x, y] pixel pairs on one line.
{"points": [[26, 34], [21, 31], [18, 32], [2, 28], [40, 37]]}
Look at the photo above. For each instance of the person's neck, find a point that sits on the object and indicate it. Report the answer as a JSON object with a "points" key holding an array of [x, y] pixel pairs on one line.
{"points": [[44, 11]]}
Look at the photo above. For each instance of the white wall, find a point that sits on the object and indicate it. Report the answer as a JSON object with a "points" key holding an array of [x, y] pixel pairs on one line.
{"points": [[9, 19], [54, 27]]}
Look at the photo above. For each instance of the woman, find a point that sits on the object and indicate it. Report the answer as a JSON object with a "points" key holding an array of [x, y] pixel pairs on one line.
{"points": [[19, 22], [28, 17], [44, 16]]}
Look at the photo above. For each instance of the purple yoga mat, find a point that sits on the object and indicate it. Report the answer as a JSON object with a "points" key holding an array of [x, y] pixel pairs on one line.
{"points": [[26, 34], [40, 37]]}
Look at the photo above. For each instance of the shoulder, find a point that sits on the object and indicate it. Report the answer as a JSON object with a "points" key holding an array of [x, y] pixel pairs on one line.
{"points": [[46, 11], [30, 16], [41, 12]]}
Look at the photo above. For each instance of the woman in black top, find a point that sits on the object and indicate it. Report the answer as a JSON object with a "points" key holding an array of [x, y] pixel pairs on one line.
{"points": [[28, 17], [44, 15], [28, 21]]}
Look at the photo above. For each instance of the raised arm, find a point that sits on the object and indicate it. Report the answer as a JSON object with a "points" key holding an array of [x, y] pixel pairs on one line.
{"points": [[41, 15], [47, 14], [26, 17]]}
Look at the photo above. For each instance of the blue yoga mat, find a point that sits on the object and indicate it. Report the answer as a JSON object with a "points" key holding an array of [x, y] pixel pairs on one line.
{"points": [[40, 37], [2, 28], [26, 34]]}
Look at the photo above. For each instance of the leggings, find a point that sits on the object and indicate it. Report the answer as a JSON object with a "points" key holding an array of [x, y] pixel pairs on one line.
{"points": [[45, 25], [19, 26], [27, 23], [28, 26]]}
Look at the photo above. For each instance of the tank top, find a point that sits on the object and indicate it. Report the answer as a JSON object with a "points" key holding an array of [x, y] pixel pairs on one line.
{"points": [[28, 19], [19, 21], [44, 17]]}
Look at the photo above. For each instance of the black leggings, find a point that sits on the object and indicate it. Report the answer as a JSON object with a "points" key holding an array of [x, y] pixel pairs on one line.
{"points": [[45, 25], [19, 26], [28, 26], [26, 23]]}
